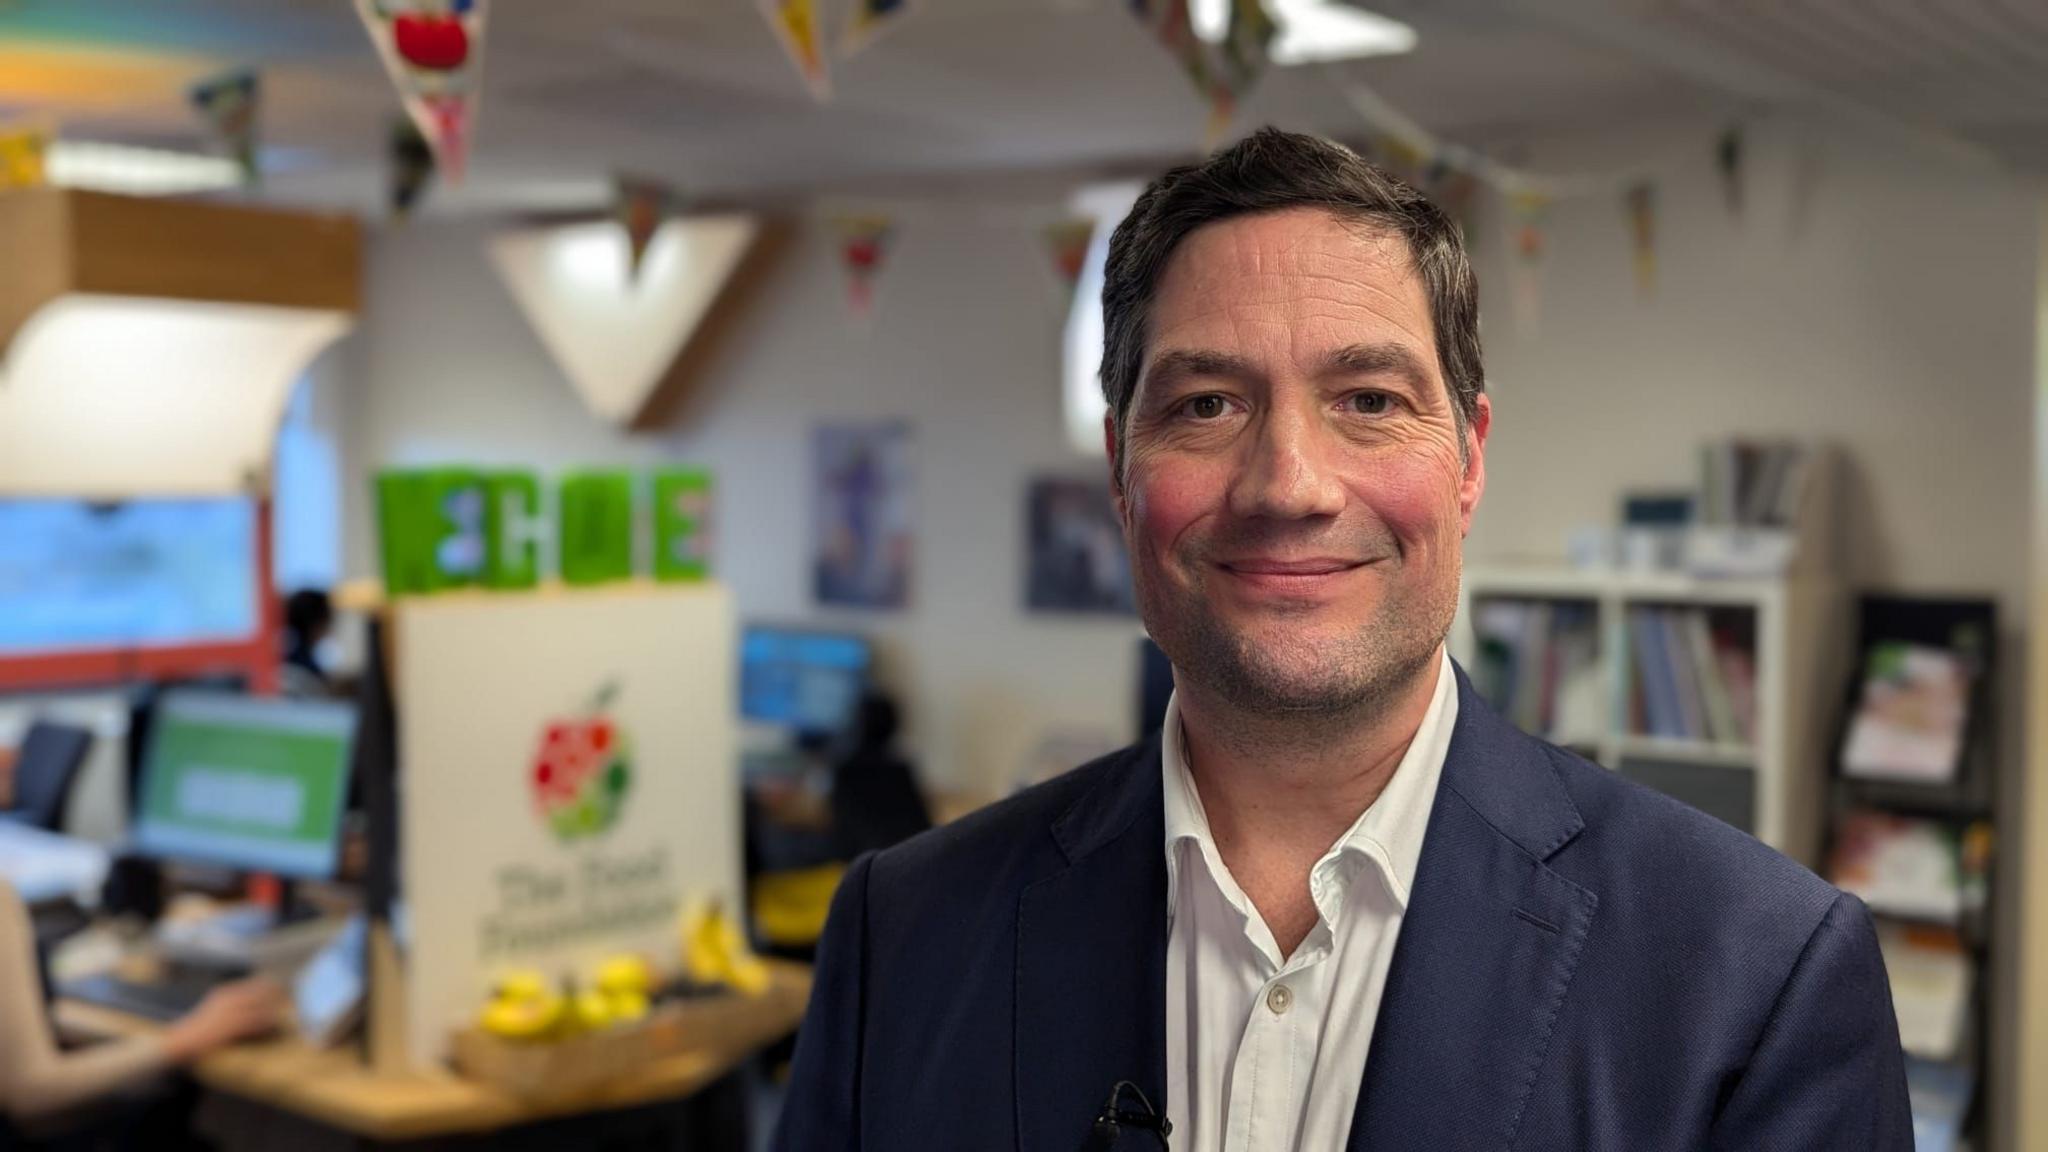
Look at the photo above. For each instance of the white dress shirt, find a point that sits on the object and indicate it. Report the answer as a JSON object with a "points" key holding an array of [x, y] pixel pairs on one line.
{"points": [[1264, 1052]]}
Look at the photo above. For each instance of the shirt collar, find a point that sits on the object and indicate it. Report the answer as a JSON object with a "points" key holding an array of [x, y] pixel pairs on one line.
{"points": [[1389, 833]]}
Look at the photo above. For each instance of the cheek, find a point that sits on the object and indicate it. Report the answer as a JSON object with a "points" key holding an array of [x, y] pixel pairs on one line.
{"points": [[1415, 496], [1167, 497]]}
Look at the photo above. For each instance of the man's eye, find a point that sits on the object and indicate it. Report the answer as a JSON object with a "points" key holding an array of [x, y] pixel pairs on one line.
{"points": [[1207, 407], [1370, 403]]}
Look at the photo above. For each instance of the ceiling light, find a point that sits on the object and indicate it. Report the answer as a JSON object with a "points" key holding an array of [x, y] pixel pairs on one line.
{"points": [[1315, 31], [137, 171]]}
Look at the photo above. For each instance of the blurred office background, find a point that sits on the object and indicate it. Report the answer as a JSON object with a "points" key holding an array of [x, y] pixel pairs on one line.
{"points": [[1763, 292]]}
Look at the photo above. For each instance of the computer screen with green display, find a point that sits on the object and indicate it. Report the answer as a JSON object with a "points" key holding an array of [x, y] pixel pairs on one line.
{"points": [[248, 782]]}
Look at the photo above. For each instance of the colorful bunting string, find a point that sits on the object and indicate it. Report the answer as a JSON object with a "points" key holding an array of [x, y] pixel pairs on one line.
{"points": [[869, 20], [412, 166], [799, 27], [1068, 241], [229, 102], [1642, 218], [433, 51], [639, 208], [863, 245], [1728, 160]]}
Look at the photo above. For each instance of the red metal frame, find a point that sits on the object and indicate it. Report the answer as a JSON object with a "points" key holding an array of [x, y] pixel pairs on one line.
{"points": [[255, 658]]}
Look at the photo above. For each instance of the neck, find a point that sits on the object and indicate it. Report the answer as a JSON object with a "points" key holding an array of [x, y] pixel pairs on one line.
{"points": [[1296, 782]]}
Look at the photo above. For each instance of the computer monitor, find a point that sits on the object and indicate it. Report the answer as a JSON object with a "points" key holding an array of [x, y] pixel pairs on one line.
{"points": [[253, 783], [810, 682]]}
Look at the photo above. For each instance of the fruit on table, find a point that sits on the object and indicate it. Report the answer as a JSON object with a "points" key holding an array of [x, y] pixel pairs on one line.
{"points": [[625, 974], [522, 1007], [592, 1010], [715, 951]]}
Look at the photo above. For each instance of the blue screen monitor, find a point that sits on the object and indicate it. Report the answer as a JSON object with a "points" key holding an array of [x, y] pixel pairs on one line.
{"points": [[809, 682]]}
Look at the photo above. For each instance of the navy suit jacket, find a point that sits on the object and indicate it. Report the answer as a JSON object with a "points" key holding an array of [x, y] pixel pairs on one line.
{"points": [[1584, 964]]}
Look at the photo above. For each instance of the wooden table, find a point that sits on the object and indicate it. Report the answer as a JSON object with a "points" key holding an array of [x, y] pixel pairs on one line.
{"points": [[335, 1091]]}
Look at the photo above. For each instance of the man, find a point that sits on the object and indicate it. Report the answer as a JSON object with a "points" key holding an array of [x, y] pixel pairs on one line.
{"points": [[1340, 903]]}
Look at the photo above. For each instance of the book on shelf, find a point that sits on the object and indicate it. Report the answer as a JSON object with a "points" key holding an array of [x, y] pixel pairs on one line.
{"points": [[1905, 866], [1538, 663], [1695, 680], [1932, 980], [1910, 715], [1753, 484]]}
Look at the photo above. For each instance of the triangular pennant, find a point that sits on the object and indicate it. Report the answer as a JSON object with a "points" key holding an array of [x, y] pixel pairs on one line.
{"points": [[434, 52], [799, 27], [229, 102], [869, 20], [24, 155], [1526, 216], [412, 166], [1642, 219], [1068, 242], [863, 245], [617, 340], [1728, 161], [640, 207], [1222, 73]]}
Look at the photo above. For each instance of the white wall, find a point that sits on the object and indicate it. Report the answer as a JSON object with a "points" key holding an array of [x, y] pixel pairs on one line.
{"points": [[964, 342]]}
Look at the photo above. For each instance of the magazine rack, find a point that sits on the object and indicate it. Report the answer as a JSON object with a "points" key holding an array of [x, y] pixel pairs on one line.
{"points": [[1968, 627]]}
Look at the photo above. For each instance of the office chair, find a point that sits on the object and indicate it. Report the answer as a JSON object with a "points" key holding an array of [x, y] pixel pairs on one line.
{"points": [[45, 767]]}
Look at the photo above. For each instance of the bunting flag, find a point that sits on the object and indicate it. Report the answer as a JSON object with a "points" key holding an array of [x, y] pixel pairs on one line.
{"points": [[24, 156], [228, 102], [800, 27], [1642, 219], [412, 166], [863, 245], [640, 207], [1455, 191], [1527, 213], [1221, 73], [1728, 161], [1068, 241], [870, 19], [434, 53]]}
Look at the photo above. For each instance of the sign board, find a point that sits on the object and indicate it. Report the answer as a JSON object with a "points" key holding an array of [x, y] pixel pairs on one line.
{"points": [[568, 783]]}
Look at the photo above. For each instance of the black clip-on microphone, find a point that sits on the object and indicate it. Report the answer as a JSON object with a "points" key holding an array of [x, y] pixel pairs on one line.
{"points": [[1114, 1118]]}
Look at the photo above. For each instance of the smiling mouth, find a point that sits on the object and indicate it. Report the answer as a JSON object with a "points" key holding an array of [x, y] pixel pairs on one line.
{"points": [[1320, 566]]}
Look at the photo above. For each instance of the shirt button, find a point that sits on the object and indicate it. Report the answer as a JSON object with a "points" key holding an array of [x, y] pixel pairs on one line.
{"points": [[1279, 998]]}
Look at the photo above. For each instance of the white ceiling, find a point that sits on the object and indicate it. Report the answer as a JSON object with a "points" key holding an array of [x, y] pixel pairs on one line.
{"points": [[697, 91]]}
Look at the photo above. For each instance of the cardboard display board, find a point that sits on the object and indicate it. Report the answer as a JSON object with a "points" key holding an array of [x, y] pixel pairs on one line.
{"points": [[568, 783]]}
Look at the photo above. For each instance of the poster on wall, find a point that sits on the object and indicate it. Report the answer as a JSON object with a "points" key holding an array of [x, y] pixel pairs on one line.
{"points": [[569, 788], [1078, 562], [861, 495]]}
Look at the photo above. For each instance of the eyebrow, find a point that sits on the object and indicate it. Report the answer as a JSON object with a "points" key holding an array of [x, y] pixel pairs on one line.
{"points": [[1180, 364], [1376, 360]]}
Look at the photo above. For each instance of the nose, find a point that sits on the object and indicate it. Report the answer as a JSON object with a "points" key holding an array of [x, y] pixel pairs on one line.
{"points": [[1289, 470]]}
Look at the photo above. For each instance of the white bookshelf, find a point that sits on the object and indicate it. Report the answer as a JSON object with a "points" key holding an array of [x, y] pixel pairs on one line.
{"points": [[1778, 780]]}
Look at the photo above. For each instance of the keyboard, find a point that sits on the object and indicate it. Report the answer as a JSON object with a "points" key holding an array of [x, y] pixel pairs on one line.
{"points": [[162, 1000]]}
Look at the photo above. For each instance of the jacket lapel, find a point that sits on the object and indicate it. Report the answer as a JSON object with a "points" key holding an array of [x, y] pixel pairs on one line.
{"points": [[1091, 961], [1487, 949]]}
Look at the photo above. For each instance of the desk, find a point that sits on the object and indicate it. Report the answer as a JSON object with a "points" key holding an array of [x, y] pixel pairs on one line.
{"points": [[333, 1091]]}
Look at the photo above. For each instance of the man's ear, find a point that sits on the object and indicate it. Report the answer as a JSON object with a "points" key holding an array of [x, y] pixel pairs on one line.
{"points": [[1473, 484], [1110, 448]]}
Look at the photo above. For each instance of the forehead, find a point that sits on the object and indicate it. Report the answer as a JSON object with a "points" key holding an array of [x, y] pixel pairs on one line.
{"points": [[1302, 273]]}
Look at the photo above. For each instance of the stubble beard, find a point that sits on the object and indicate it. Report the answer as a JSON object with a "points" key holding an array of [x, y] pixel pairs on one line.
{"points": [[1295, 686]]}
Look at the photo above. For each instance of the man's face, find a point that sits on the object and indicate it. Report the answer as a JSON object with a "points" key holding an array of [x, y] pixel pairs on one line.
{"points": [[1294, 494]]}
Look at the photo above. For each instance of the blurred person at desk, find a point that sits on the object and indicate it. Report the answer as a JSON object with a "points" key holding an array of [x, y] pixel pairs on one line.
{"points": [[308, 632], [39, 1081]]}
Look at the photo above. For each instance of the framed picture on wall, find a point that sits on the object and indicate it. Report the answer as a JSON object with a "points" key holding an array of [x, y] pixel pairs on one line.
{"points": [[861, 497], [1076, 555]]}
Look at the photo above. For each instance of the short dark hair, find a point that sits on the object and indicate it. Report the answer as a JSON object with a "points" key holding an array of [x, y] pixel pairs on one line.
{"points": [[1269, 171]]}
